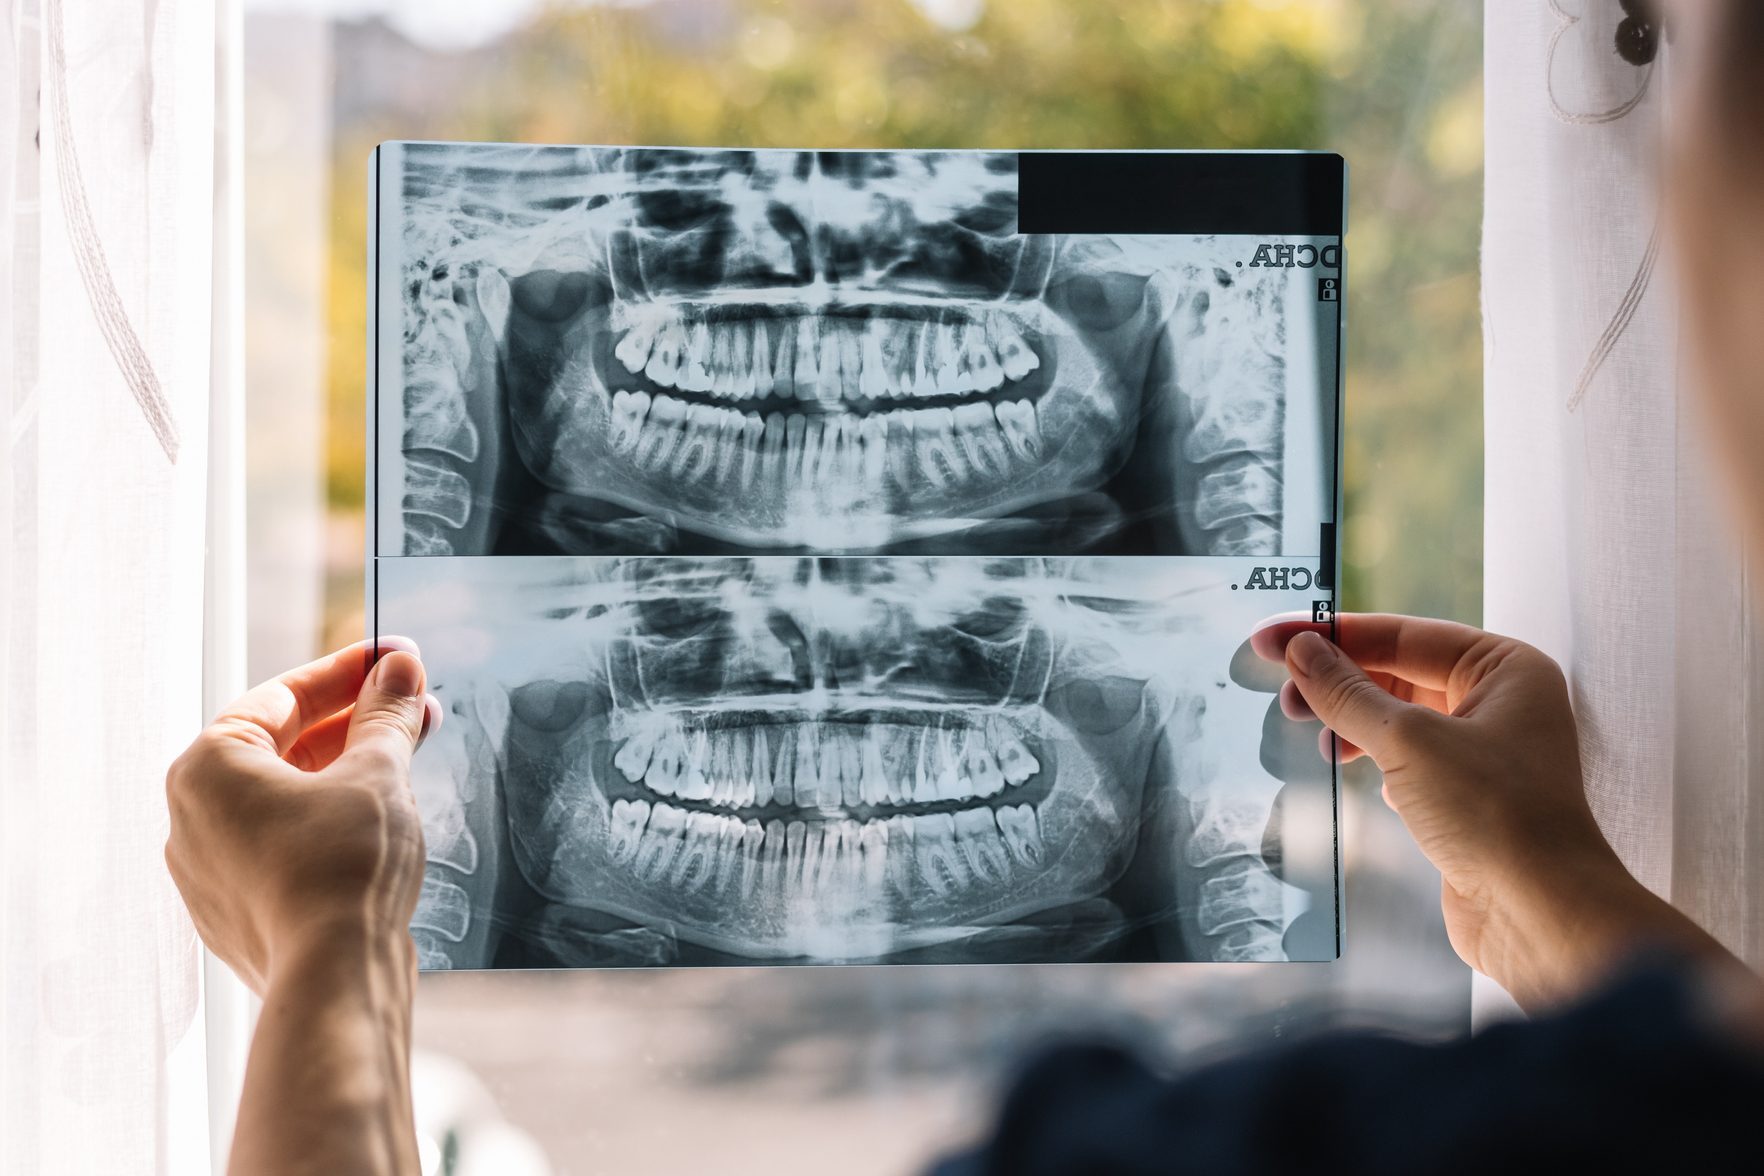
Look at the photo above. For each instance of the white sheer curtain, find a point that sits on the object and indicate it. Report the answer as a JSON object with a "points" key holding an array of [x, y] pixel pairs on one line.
{"points": [[116, 569], [1606, 544]]}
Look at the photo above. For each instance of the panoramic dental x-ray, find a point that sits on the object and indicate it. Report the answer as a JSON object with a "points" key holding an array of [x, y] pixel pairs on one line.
{"points": [[848, 557]]}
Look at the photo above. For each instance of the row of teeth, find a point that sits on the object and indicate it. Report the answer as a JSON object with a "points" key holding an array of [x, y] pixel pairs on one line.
{"points": [[813, 766], [693, 851], [942, 445], [816, 358]]}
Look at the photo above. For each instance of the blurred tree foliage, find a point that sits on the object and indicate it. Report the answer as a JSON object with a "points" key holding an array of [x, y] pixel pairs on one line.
{"points": [[1394, 85]]}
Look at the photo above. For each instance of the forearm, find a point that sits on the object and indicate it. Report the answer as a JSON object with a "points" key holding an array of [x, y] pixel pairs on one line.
{"points": [[1572, 926], [327, 1085]]}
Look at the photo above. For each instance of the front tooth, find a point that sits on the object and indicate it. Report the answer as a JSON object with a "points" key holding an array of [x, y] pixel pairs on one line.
{"points": [[633, 758], [725, 781], [633, 349], [851, 780], [784, 361], [760, 770], [874, 776], [784, 774], [759, 374], [667, 766], [980, 437], [694, 863], [695, 373], [873, 850], [661, 842], [628, 411], [771, 861], [796, 847], [874, 381], [941, 865], [796, 430], [807, 374], [753, 434], [1016, 762], [813, 439], [873, 432], [925, 769], [1021, 427], [626, 829], [832, 383], [1015, 358], [808, 774], [1022, 834], [977, 836], [771, 452], [753, 839], [664, 361], [851, 359]]}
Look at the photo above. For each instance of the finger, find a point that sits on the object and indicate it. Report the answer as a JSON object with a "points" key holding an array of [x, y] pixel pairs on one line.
{"points": [[1351, 704], [277, 712], [1293, 704], [1420, 650], [322, 742], [389, 713], [1336, 750]]}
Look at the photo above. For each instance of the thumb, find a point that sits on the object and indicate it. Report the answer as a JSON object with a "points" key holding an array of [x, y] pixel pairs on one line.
{"points": [[388, 717], [1352, 705]]}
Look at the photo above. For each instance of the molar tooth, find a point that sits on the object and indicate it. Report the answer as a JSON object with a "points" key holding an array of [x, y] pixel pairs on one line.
{"points": [[978, 360], [632, 759], [696, 452], [946, 376], [628, 411], [946, 768], [1016, 761], [633, 349], [1022, 834], [664, 360], [977, 835], [626, 829], [695, 861], [1015, 358], [982, 770], [1021, 427], [667, 765], [771, 460], [873, 433], [661, 842], [662, 432], [729, 425], [727, 861], [980, 437], [753, 432], [940, 864], [695, 371], [935, 442]]}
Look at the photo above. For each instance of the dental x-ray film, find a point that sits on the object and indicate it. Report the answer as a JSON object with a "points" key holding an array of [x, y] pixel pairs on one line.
{"points": [[849, 557]]}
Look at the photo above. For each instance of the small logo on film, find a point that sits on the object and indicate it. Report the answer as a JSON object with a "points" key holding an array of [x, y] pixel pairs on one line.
{"points": [[1322, 611]]}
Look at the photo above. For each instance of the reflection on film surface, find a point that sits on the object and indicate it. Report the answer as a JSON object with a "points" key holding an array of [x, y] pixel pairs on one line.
{"points": [[635, 351], [655, 761]]}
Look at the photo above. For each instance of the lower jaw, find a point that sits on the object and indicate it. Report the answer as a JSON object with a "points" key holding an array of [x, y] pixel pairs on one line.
{"points": [[922, 488], [840, 915]]}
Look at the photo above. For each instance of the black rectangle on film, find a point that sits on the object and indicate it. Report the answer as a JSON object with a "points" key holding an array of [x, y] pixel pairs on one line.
{"points": [[1154, 192]]}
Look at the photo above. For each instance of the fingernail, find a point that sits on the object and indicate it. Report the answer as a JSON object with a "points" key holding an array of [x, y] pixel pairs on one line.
{"points": [[432, 717], [389, 643], [1310, 653], [399, 673]]}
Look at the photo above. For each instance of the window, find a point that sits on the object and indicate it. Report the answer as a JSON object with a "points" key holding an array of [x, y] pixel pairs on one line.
{"points": [[873, 1069]]}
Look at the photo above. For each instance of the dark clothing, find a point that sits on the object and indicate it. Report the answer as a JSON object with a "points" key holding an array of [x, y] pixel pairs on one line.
{"points": [[1631, 1081]]}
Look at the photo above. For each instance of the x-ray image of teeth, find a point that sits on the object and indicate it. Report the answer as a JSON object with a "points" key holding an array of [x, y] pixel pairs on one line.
{"points": [[616, 351], [654, 761]]}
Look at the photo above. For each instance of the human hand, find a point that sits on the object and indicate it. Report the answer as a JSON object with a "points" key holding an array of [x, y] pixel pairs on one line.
{"points": [[1477, 742], [291, 817]]}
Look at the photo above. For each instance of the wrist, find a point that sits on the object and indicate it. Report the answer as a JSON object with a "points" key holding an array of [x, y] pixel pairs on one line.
{"points": [[341, 954]]}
